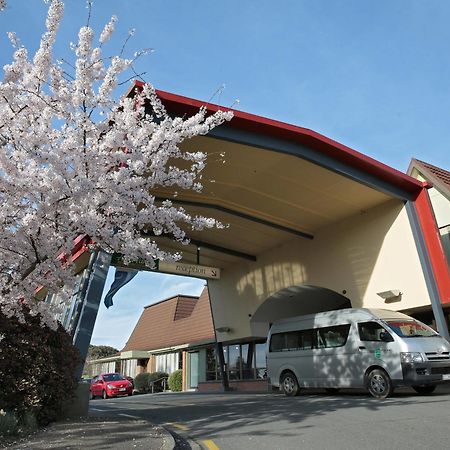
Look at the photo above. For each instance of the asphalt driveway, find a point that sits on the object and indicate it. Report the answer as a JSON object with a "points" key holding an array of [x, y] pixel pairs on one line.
{"points": [[313, 420]]}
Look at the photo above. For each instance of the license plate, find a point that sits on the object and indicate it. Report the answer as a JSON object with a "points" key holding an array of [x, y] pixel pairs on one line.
{"points": [[446, 376], [122, 389]]}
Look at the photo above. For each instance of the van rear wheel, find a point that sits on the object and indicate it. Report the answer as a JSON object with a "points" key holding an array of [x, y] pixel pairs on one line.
{"points": [[425, 389], [289, 384], [379, 384]]}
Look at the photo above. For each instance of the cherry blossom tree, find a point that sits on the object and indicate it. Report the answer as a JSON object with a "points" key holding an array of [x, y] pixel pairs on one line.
{"points": [[76, 160]]}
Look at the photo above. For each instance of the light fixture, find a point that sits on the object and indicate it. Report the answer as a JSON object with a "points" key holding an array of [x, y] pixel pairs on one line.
{"points": [[223, 329], [393, 295]]}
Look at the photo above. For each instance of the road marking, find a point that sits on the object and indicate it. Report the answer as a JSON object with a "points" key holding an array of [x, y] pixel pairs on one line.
{"points": [[128, 415], [210, 445], [180, 426], [98, 409]]}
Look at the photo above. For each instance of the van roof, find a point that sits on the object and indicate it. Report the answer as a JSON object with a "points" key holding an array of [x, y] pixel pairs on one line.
{"points": [[349, 313]]}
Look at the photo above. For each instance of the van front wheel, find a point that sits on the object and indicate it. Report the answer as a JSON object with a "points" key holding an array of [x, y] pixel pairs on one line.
{"points": [[289, 384], [425, 389], [379, 384]]}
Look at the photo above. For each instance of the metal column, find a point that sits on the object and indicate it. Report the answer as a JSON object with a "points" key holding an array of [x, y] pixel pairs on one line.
{"points": [[430, 280], [91, 294]]}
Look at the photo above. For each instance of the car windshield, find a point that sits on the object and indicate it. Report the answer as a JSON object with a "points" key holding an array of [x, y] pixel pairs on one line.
{"points": [[113, 377], [410, 328]]}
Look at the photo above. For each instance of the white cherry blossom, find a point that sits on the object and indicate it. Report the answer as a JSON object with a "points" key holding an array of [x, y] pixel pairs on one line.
{"points": [[75, 161]]}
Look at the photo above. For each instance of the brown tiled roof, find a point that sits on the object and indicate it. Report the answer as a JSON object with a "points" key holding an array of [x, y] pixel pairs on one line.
{"points": [[438, 176], [175, 321], [185, 306]]}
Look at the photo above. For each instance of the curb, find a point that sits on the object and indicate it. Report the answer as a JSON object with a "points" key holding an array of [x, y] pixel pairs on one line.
{"points": [[169, 440]]}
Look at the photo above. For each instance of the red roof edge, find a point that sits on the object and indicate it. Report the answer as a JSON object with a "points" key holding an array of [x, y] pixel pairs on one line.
{"points": [[181, 105]]}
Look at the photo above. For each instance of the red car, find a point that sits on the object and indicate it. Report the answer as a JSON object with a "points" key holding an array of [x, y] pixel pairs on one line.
{"points": [[110, 385]]}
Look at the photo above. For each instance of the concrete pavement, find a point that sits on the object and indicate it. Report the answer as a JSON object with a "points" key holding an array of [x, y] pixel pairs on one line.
{"points": [[100, 433]]}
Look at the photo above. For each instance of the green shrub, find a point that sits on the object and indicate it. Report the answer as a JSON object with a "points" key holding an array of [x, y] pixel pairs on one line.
{"points": [[37, 366], [176, 381], [141, 382], [159, 381], [144, 381]]}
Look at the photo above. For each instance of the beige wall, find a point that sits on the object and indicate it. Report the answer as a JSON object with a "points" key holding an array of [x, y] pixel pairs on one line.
{"points": [[364, 254]]}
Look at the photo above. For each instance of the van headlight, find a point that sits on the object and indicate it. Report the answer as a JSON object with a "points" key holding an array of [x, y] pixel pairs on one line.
{"points": [[411, 357]]}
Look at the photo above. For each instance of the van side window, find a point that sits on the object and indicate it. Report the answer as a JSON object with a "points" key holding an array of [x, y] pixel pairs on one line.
{"points": [[371, 331], [332, 336], [278, 342], [291, 340]]}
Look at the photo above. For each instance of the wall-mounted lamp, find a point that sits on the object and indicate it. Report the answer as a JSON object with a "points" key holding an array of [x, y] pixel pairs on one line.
{"points": [[223, 329], [394, 295]]}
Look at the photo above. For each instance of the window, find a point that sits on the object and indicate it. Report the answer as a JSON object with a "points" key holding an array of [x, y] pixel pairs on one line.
{"points": [[277, 342], [211, 364], [335, 336], [332, 336], [371, 331], [248, 372], [411, 328], [242, 361], [445, 238], [234, 362], [260, 360], [306, 339], [291, 341], [113, 377]]}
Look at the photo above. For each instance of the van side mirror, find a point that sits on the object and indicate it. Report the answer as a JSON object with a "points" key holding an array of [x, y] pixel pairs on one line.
{"points": [[386, 337]]}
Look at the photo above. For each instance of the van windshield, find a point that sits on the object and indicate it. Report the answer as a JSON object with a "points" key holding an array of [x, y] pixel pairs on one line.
{"points": [[410, 328]]}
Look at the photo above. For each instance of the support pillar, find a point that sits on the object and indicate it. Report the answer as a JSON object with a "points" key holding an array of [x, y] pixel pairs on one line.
{"points": [[91, 294], [222, 366]]}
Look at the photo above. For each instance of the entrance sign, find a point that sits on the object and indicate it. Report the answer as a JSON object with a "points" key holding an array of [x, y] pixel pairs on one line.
{"points": [[178, 268], [190, 270]]}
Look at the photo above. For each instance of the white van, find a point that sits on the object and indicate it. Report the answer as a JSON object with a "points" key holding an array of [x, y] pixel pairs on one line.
{"points": [[353, 348]]}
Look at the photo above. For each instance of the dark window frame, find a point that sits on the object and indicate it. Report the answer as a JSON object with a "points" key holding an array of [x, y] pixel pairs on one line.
{"points": [[360, 324], [314, 333]]}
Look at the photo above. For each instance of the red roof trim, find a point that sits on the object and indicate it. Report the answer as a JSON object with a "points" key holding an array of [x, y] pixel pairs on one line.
{"points": [[183, 105]]}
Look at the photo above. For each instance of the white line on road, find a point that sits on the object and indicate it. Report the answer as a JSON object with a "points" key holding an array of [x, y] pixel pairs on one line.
{"points": [[128, 415]]}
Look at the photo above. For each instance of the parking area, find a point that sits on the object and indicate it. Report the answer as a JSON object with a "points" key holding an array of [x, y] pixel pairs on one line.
{"points": [[313, 420]]}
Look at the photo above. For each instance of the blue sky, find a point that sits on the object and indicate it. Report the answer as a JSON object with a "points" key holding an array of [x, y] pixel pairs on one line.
{"points": [[371, 75]]}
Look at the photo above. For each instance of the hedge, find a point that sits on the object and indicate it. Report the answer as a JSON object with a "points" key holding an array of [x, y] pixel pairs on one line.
{"points": [[143, 382], [176, 381], [37, 366]]}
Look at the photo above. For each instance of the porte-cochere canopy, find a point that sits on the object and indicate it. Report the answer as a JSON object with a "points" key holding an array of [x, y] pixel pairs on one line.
{"points": [[275, 181]]}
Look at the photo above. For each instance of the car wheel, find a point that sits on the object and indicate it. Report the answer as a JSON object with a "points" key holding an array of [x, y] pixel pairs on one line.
{"points": [[130, 394], [379, 384], [104, 395], [332, 390], [425, 389], [289, 384]]}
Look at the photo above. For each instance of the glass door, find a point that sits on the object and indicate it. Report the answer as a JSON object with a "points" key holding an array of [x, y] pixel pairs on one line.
{"points": [[193, 372]]}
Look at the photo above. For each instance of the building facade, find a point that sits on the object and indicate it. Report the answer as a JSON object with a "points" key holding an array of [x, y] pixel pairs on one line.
{"points": [[311, 225]]}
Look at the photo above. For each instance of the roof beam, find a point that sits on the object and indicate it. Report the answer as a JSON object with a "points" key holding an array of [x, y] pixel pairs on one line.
{"points": [[242, 215], [209, 246]]}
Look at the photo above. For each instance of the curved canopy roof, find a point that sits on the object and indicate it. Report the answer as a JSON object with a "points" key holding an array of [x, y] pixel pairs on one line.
{"points": [[278, 182]]}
